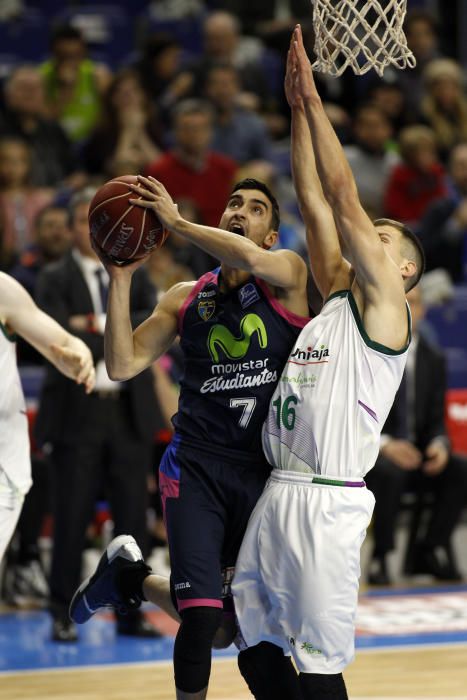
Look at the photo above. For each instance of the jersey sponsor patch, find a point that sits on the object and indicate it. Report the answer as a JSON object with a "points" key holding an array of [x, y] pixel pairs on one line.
{"points": [[247, 295]]}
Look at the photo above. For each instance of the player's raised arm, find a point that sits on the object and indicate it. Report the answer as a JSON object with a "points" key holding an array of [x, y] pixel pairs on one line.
{"points": [[128, 352], [68, 353], [328, 266], [357, 230], [234, 243]]}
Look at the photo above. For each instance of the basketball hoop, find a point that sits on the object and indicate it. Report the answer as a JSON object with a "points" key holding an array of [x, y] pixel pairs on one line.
{"points": [[362, 34]]}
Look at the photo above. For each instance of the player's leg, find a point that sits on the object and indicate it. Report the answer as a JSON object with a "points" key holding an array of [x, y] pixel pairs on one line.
{"points": [[11, 502], [268, 673], [319, 617], [320, 686], [195, 518]]}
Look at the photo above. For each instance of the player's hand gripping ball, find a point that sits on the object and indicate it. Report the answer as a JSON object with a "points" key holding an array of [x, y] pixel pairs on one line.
{"points": [[124, 232]]}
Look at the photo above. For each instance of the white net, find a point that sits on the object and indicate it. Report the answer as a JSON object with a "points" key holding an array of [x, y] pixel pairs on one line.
{"points": [[362, 34]]}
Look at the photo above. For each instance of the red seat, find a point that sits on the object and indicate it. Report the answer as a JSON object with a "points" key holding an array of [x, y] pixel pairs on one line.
{"points": [[456, 419]]}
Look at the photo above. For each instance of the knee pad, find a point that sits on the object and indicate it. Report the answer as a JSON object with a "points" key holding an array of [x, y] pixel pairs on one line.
{"points": [[268, 673], [192, 651]]}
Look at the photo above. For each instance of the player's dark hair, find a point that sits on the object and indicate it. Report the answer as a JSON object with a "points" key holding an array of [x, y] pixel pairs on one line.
{"points": [[411, 247], [249, 183]]}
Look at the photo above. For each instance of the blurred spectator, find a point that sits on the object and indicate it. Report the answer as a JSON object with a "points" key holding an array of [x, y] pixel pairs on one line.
{"points": [[184, 252], [238, 133], [161, 72], [421, 31], [444, 106], [415, 455], [74, 84], [191, 169], [164, 271], [20, 202], [390, 97], [369, 158], [272, 20], [224, 44], [443, 229], [97, 442], [52, 239], [418, 180], [24, 116], [128, 133]]}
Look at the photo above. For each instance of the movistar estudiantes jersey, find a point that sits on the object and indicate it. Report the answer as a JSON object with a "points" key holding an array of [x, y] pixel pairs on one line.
{"points": [[235, 345]]}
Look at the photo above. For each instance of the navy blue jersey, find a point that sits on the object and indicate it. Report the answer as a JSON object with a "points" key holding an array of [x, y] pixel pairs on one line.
{"points": [[235, 345]]}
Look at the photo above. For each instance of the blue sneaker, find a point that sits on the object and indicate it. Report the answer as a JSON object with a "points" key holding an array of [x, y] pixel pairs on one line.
{"points": [[101, 590]]}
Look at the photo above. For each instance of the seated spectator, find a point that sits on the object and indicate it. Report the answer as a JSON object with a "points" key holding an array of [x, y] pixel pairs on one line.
{"points": [[128, 133], [443, 229], [186, 253], [421, 31], [19, 201], [389, 95], [74, 84], [191, 169], [418, 180], [223, 43], [238, 133], [52, 159], [369, 158], [162, 74], [52, 239], [444, 106], [415, 455]]}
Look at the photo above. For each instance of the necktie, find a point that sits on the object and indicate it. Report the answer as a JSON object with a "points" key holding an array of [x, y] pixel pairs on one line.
{"points": [[103, 289]]}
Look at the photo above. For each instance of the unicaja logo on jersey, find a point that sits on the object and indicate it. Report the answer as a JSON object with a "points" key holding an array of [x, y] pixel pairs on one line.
{"points": [[310, 355], [220, 338]]}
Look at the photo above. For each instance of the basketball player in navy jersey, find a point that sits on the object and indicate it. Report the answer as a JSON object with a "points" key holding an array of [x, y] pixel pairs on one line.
{"points": [[237, 325]]}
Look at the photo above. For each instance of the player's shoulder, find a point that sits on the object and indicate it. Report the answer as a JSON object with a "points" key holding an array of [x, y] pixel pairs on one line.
{"points": [[174, 298]]}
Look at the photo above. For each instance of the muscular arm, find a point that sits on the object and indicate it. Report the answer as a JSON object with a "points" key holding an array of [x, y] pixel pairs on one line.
{"points": [[67, 352], [128, 352], [330, 270], [374, 271], [281, 268]]}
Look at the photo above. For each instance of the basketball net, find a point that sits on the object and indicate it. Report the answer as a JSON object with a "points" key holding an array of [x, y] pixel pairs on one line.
{"points": [[362, 34]]}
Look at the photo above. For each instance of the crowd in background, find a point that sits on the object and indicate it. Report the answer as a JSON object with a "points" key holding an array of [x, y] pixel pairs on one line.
{"points": [[199, 109]]}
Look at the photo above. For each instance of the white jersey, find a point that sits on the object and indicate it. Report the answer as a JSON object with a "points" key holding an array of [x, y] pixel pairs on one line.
{"points": [[333, 397], [14, 437]]}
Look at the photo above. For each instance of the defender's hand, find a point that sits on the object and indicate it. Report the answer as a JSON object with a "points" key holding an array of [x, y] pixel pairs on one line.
{"points": [[75, 365]]}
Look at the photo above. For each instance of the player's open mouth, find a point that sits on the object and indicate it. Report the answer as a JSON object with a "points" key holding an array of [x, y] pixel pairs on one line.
{"points": [[237, 228]]}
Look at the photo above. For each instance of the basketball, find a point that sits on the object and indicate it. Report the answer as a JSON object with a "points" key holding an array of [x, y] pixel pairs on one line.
{"points": [[122, 230]]}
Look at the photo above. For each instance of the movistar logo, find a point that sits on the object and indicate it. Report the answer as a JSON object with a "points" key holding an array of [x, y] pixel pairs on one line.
{"points": [[234, 348]]}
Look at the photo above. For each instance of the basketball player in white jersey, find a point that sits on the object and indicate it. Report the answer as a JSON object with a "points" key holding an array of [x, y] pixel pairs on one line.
{"points": [[296, 580], [19, 315]]}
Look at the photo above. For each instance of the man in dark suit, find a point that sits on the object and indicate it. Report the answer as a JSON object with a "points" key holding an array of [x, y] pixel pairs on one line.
{"points": [[97, 443], [415, 454]]}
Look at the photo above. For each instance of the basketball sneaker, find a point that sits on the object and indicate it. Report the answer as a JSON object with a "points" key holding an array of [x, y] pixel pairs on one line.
{"points": [[104, 588]]}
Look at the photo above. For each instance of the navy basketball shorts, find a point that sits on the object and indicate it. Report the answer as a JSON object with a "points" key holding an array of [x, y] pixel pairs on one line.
{"points": [[207, 499]]}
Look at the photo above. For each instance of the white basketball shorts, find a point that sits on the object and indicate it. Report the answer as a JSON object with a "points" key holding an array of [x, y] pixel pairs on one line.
{"points": [[297, 573]]}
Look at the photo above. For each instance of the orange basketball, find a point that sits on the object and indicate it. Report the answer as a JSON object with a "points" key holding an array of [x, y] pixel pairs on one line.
{"points": [[122, 230]]}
